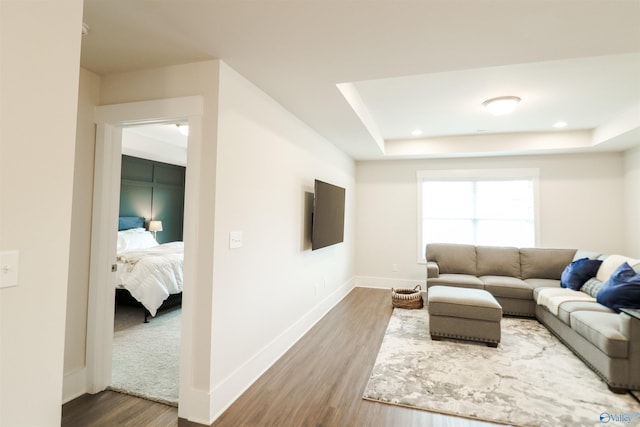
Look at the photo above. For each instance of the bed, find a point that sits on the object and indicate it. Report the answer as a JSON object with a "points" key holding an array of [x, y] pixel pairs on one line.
{"points": [[149, 274]]}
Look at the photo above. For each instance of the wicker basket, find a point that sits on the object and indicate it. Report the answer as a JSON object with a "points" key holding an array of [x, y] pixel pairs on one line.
{"points": [[407, 298]]}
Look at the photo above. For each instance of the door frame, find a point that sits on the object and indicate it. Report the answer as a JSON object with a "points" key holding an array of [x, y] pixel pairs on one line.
{"points": [[110, 119]]}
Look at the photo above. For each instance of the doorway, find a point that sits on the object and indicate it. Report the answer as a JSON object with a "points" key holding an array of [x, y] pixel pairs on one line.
{"points": [[111, 120], [150, 260]]}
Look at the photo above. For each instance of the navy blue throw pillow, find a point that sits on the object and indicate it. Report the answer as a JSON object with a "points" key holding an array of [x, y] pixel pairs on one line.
{"points": [[578, 272], [622, 290]]}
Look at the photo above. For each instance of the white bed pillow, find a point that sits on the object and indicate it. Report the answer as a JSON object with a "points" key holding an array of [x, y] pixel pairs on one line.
{"points": [[128, 241], [122, 239], [132, 230]]}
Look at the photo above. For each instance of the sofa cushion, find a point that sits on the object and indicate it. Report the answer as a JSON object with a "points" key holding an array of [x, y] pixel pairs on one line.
{"points": [[537, 290], [544, 263], [498, 261], [459, 280], [565, 310], [507, 287], [553, 298], [622, 290], [578, 272], [542, 283], [581, 253], [453, 258], [601, 330], [610, 264]]}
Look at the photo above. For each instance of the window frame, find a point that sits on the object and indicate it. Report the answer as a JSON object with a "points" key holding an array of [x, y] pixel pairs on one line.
{"points": [[422, 176]]}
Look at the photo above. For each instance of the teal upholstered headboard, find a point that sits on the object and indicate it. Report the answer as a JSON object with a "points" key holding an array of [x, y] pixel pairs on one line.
{"points": [[128, 222]]}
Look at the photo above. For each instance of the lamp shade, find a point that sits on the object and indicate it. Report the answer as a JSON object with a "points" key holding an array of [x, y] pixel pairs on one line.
{"points": [[502, 105], [155, 225]]}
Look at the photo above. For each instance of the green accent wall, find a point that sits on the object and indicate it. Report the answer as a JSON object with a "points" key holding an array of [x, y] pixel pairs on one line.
{"points": [[155, 191]]}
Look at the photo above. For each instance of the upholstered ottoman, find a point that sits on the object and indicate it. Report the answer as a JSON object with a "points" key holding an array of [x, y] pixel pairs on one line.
{"points": [[464, 313]]}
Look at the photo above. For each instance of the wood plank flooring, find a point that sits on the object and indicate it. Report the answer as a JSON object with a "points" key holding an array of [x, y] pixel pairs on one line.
{"points": [[318, 382], [111, 409]]}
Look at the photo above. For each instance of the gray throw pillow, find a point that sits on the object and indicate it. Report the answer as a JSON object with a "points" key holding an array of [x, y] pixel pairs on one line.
{"points": [[592, 287]]}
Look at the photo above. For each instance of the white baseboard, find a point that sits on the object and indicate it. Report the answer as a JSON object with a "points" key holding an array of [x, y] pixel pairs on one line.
{"points": [[225, 393], [199, 407], [388, 282], [74, 384]]}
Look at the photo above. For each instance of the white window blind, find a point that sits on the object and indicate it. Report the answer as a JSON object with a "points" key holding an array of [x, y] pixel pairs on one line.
{"points": [[495, 208]]}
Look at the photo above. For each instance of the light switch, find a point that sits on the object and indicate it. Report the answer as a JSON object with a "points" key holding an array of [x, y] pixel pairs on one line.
{"points": [[9, 269], [235, 239]]}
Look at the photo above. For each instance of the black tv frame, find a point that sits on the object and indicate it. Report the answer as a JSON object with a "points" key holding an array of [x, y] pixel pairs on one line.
{"points": [[328, 215]]}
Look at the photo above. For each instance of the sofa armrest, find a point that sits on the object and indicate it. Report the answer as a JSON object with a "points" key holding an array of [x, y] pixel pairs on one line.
{"points": [[630, 328], [433, 270]]}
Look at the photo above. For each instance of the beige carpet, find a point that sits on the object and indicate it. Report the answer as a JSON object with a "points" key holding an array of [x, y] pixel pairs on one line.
{"points": [[145, 361], [531, 379]]}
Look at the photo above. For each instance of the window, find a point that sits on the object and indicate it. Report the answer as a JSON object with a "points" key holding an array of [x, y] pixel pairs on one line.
{"points": [[479, 207]]}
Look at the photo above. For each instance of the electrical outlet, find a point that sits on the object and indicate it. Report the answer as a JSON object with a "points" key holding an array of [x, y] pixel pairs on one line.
{"points": [[394, 267]]}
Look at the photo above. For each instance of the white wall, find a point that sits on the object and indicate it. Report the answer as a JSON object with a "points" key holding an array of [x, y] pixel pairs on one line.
{"points": [[257, 165], [39, 86], [581, 206], [632, 202], [270, 291], [199, 79], [80, 246]]}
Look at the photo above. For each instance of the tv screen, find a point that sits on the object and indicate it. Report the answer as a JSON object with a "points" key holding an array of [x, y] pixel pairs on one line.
{"points": [[328, 215]]}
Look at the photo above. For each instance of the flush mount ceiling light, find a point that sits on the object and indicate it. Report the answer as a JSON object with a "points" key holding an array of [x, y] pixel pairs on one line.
{"points": [[560, 124], [501, 105], [416, 132]]}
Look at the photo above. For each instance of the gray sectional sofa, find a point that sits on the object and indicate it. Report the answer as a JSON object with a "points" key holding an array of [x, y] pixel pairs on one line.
{"points": [[606, 341]]}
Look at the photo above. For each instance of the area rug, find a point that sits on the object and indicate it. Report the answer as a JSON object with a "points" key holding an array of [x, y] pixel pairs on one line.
{"points": [[145, 361], [531, 379]]}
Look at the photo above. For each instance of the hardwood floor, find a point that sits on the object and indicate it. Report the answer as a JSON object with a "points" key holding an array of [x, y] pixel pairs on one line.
{"points": [[111, 409], [318, 382]]}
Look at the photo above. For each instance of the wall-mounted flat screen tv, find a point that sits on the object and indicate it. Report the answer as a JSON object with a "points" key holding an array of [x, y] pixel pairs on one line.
{"points": [[328, 215]]}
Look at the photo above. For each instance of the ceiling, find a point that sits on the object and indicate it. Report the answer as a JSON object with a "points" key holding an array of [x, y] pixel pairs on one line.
{"points": [[366, 73], [159, 142], [166, 133]]}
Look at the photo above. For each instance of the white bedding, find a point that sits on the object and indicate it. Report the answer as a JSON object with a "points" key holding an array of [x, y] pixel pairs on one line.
{"points": [[152, 274]]}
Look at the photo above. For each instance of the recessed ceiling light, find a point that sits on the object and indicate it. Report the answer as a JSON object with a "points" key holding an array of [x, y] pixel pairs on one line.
{"points": [[559, 124], [501, 105], [416, 132]]}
